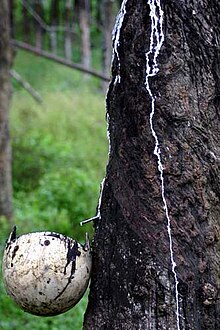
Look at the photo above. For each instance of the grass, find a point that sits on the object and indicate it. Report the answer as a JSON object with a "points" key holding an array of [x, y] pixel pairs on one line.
{"points": [[59, 158]]}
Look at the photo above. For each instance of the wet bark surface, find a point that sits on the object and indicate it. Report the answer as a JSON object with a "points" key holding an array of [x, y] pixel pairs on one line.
{"points": [[5, 91], [132, 283]]}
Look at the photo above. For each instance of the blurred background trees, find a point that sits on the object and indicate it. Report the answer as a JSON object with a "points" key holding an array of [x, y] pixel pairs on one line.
{"points": [[77, 30], [73, 32], [59, 146]]}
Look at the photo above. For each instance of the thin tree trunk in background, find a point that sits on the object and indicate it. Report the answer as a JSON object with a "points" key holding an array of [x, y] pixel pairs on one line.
{"points": [[38, 7], [26, 86], [133, 284], [26, 25], [84, 18], [68, 22], [108, 19], [54, 21], [5, 91]]}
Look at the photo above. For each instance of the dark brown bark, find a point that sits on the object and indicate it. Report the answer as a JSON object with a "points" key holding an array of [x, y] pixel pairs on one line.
{"points": [[132, 284], [5, 91]]}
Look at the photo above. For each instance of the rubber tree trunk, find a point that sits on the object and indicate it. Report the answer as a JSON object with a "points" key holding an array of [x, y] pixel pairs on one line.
{"points": [[5, 91], [133, 283]]}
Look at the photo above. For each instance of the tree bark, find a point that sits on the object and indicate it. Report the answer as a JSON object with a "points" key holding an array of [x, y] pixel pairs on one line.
{"points": [[133, 284], [5, 91]]}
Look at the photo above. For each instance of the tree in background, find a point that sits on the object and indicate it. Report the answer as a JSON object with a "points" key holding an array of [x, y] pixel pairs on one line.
{"points": [[38, 7], [5, 91], [77, 30], [11, 15], [26, 25], [107, 23], [83, 10], [156, 255], [54, 21], [68, 21]]}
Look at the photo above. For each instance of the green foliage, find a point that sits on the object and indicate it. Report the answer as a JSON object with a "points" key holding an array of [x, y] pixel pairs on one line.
{"points": [[59, 150], [61, 189], [62, 199], [59, 158]]}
